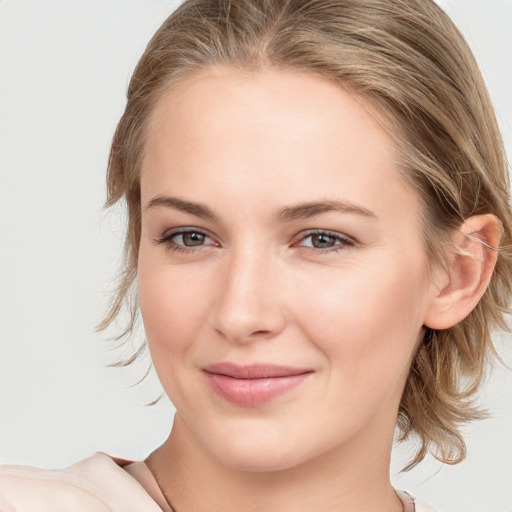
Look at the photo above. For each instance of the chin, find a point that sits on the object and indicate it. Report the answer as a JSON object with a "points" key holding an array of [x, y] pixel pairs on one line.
{"points": [[264, 460], [257, 450]]}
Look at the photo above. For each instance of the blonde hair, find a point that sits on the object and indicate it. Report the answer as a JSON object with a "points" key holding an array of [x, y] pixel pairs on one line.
{"points": [[408, 58]]}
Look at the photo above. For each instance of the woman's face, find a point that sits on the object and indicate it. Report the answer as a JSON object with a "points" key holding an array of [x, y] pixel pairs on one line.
{"points": [[282, 274]]}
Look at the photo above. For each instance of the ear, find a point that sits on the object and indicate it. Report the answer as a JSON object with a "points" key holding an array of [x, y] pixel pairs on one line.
{"points": [[457, 289]]}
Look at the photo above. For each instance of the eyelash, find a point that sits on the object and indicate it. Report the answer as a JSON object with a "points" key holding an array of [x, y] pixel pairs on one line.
{"points": [[343, 242]]}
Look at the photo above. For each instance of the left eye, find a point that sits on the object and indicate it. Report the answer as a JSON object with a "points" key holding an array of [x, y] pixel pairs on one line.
{"points": [[325, 240]]}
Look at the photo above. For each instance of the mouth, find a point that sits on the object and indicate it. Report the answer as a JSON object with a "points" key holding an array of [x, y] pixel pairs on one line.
{"points": [[254, 384]]}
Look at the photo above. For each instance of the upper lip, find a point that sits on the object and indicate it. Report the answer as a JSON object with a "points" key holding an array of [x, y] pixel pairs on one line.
{"points": [[254, 370]]}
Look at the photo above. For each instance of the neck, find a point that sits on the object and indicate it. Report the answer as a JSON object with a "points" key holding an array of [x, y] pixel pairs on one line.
{"points": [[352, 478]]}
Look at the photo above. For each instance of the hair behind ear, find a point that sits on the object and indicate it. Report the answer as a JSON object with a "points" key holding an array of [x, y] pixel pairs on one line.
{"points": [[450, 363]]}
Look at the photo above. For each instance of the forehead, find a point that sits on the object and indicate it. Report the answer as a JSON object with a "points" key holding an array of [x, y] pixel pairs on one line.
{"points": [[272, 133], [224, 105]]}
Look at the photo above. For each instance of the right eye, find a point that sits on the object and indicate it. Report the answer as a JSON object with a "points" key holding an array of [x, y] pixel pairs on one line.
{"points": [[185, 240]]}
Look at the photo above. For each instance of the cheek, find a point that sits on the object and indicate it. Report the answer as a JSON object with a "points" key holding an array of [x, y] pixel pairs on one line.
{"points": [[365, 318], [172, 304], [367, 331]]}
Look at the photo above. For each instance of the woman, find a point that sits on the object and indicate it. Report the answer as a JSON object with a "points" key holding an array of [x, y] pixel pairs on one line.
{"points": [[319, 226]]}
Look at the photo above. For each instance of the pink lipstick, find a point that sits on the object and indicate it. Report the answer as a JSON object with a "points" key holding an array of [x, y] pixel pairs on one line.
{"points": [[254, 384]]}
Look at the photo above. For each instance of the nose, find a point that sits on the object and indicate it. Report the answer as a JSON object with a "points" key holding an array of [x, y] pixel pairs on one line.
{"points": [[249, 302]]}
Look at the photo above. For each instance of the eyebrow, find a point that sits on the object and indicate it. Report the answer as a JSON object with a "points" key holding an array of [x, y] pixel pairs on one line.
{"points": [[308, 210], [197, 209], [287, 214]]}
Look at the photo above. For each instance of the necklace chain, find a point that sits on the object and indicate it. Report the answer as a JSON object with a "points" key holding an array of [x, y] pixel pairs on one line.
{"points": [[160, 486]]}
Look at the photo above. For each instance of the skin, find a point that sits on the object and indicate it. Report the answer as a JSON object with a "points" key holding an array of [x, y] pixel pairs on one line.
{"points": [[258, 288]]}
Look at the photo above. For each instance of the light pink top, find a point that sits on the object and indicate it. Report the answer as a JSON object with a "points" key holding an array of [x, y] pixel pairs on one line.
{"points": [[97, 484]]}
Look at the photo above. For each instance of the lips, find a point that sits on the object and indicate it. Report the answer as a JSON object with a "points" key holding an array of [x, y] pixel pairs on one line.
{"points": [[254, 384]]}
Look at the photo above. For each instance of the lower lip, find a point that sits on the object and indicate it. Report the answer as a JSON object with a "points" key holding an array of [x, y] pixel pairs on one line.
{"points": [[252, 392]]}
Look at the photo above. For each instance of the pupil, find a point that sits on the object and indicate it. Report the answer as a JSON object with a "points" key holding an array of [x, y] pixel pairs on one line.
{"points": [[322, 241], [193, 238]]}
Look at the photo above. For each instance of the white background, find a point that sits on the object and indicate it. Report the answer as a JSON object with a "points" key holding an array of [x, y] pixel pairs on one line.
{"points": [[64, 67]]}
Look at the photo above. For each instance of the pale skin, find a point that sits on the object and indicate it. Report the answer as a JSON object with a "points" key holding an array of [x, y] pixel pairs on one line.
{"points": [[342, 288]]}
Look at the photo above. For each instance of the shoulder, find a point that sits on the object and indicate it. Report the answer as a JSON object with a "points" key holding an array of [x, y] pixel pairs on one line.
{"points": [[413, 504], [94, 484], [421, 506]]}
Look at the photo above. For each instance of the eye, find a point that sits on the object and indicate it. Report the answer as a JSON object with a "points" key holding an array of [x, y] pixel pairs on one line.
{"points": [[189, 239], [185, 239], [326, 241]]}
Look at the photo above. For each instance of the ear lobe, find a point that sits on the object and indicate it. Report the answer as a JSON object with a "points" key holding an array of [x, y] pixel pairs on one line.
{"points": [[457, 289]]}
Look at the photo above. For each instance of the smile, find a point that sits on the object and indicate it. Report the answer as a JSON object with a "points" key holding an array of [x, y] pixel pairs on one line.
{"points": [[252, 385]]}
